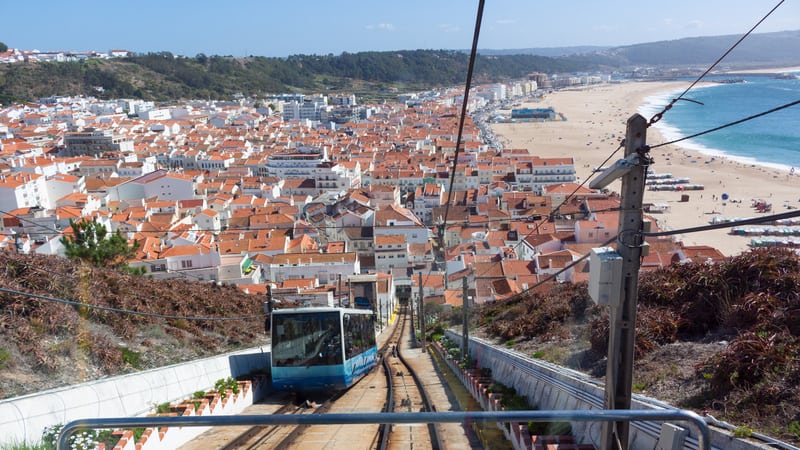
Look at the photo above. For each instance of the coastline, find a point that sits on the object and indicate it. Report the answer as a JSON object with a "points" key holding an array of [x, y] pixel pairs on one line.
{"points": [[595, 125], [766, 71]]}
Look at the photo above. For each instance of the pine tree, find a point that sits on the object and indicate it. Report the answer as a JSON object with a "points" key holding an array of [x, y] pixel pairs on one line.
{"points": [[90, 241]]}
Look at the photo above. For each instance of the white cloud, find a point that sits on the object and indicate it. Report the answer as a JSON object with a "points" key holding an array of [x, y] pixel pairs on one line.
{"points": [[448, 28], [693, 25], [604, 28], [381, 26]]}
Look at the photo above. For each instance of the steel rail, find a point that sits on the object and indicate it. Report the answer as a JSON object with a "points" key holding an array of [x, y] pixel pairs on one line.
{"points": [[392, 418]]}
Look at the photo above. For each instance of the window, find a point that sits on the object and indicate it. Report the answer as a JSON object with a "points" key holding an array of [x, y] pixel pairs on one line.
{"points": [[186, 264], [158, 268], [302, 340]]}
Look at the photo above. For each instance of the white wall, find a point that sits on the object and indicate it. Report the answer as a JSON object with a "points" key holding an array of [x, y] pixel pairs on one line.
{"points": [[22, 419]]}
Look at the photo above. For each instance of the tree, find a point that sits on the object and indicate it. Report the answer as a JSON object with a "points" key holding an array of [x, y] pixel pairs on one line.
{"points": [[3, 47], [433, 310], [91, 242]]}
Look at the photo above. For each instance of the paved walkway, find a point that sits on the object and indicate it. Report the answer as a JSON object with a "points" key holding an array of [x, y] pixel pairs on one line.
{"points": [[451, 435]]}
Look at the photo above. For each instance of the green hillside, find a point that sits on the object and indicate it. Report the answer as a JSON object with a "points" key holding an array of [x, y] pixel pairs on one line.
{"points": [[164, 77]]}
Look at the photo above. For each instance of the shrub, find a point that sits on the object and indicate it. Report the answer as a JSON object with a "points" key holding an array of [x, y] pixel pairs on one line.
{"points": [[549, 428], [5, 358], [82, 440], [163, 408], [794, 429], [749, 358], [131, 358], [223, 384], [514, 403]]}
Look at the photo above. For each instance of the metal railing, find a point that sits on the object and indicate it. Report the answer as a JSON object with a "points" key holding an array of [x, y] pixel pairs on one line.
{"points": [[391, 418]]}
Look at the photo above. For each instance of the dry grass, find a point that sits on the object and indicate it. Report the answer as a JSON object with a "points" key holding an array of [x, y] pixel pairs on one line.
{"points": [[51, 344], [723, 338]]}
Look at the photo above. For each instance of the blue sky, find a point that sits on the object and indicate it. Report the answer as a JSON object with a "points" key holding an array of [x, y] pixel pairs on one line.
{"points": [[282, 28]]}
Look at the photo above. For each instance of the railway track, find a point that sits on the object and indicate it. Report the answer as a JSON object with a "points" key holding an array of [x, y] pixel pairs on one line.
{"points": [[259, 436], [395, 388], [405, 393]]}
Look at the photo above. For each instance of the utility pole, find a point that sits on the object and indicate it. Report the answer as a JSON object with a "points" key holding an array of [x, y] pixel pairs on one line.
{"points": [[339, 289], [622, 314], [421, 293], [465, 328], [268, 309], [421, 311], [350, 294]]}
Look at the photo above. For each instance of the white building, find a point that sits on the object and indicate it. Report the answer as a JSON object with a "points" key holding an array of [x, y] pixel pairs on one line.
{"points": [[391, 251], [155, 114], [22, 190], [303, 162], [94, 142], [325, 267], [394, 220], [208, 220], [162, 184], [61, 185]]}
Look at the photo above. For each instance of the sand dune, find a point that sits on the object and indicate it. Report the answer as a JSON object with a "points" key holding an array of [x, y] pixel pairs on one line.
{"points": [[595, 125]]}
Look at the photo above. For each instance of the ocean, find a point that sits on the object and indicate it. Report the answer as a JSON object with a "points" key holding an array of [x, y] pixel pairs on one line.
{"points": [[772, 140]]}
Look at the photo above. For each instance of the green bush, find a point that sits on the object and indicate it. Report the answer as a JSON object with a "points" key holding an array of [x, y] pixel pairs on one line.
{"points": [[223, 384], [23, 446], [514, 403], [131, 358], [5, 358], [82, 440], [794, 429], [163, 408], [549, 428]]}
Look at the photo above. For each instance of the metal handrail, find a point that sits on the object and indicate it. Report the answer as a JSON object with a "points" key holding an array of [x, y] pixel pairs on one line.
{"points": [[704, 439]]}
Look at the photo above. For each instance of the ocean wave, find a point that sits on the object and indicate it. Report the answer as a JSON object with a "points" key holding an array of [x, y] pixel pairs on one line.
{"points": [[670, 131], [655, 103]]}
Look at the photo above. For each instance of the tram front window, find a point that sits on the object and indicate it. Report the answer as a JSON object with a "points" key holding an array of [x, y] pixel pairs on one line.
{"points": [[306, 339]]}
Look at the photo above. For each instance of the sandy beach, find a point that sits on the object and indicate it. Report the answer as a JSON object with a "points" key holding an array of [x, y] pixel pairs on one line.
{"points": [[595, 125]]}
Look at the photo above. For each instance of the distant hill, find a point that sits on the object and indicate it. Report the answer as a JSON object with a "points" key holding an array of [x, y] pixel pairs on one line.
{"points": [[371, 75], [776, 49], [765, 49], [552, 52], [165, 77]]}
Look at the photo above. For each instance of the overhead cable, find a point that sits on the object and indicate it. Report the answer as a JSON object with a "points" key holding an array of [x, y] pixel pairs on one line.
{"points": [[658, 116]]}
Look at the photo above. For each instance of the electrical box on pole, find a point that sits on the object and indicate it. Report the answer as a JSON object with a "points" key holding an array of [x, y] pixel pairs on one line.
{"points": [[605, 269], [622, 314]]}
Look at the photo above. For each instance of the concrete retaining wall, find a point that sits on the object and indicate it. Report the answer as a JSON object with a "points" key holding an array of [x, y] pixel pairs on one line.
{"points": [[22, 419], [548, 386]]}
